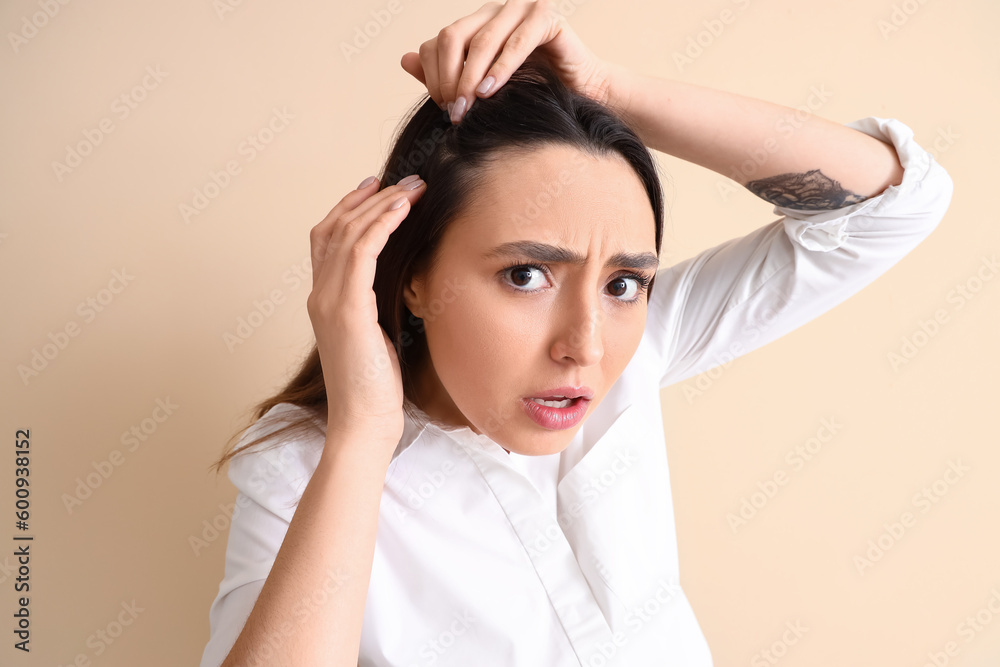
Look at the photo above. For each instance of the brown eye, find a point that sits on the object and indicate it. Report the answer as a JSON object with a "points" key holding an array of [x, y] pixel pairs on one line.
{"points": [[523, 274], [519, 274], [619, 282], [629, 296]]}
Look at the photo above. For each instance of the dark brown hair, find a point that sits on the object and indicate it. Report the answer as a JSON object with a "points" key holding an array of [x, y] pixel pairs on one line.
{"points": [[531, 110]]}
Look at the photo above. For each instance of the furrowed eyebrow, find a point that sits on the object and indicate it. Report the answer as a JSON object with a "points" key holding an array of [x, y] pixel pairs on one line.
{"points": [[550, 254]]}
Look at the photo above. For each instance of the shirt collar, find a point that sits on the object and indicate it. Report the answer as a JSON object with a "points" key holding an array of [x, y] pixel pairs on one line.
{"points": [[423, 426]]}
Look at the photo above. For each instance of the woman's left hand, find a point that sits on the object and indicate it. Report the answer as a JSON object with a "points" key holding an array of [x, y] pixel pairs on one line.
{"points": [[508, 34]]}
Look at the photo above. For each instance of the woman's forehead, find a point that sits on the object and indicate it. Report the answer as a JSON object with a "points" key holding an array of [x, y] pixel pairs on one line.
{"points": [[553, 196]]}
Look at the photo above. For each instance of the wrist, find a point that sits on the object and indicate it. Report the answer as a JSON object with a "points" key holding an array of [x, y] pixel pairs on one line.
{"points": [[357, 452], [620, 82], [357, 437]]}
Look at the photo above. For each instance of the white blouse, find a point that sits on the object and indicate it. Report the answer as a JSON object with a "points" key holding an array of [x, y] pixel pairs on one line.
{"points": [[489, 558]]}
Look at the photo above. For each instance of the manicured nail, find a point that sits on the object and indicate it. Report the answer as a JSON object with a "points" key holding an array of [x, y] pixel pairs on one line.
{"points": [[399, 202], [486, 85], [408, 179], [414, 185], [450, 105], [365, 183], [458, 110]]}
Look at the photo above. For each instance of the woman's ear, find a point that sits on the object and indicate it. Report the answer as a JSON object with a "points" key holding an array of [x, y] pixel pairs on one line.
{"points": [[413, 295]]}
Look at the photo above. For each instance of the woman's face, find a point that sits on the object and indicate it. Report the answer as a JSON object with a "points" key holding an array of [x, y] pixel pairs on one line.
{"points": [[498, 336]]}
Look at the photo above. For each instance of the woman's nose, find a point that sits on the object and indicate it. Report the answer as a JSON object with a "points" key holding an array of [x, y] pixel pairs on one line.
{"points": [[580, 331]]}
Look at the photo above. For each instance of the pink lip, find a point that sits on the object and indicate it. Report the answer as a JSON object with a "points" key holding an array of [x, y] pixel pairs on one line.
{"points": [[566, 392], [556, 418]]}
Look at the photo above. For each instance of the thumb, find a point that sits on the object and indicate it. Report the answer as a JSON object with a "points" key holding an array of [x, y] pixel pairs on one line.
{"points": [[410, 62]]}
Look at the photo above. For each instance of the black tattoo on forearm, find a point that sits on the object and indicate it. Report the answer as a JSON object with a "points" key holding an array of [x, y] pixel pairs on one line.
{"points": [[811, 191]]}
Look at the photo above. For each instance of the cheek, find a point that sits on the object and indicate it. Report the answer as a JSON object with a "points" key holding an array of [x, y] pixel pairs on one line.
{"points": [[482, 342], [632, 324], [622, 342], [476, 343]]}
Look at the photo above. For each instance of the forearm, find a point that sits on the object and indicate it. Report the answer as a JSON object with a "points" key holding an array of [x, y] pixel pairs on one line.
{"points": [[766, 147], [311, 607]]}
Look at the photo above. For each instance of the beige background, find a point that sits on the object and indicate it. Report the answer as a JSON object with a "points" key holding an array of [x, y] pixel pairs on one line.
{"points": [[161, 337]]}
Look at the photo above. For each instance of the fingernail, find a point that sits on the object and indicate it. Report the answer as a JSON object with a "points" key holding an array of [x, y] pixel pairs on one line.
{"points": [[485, 86], [458, 110], [414, 185], [408, 179], [450, 105], [365, 183], [398, 203]]}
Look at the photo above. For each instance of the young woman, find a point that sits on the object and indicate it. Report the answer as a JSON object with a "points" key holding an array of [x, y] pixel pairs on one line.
{"points": [[470, 467]]}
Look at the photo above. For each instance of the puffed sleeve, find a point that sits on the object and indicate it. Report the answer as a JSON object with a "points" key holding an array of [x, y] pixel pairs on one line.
{"points": [[270, 483], [748, 291]]}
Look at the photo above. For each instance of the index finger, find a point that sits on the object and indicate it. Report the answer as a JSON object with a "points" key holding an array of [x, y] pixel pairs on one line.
{"points": [[456, 39], [356, 198], [523, 36], [354, 204]]}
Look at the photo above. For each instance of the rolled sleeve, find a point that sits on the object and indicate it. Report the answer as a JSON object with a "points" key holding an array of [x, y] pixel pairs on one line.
{"points": [[748, 291]]}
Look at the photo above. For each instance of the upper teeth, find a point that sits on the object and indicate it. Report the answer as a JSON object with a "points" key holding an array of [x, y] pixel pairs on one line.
{"points": [[565, 403]]}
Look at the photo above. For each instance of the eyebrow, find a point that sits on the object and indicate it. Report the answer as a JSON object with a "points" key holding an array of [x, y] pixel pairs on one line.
{"points": [[551, 254]]}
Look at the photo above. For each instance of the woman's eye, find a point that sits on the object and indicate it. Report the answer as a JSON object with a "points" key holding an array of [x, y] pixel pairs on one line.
{"points": [[529, 278], [616, 285], [522, 277]]}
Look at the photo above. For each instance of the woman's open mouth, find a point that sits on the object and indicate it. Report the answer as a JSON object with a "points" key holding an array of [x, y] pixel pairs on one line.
{"points": [[556, 413]]}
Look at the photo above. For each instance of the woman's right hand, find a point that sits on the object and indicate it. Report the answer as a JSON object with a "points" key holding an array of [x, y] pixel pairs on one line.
{"points": [[360, 368], [493, 41]]}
